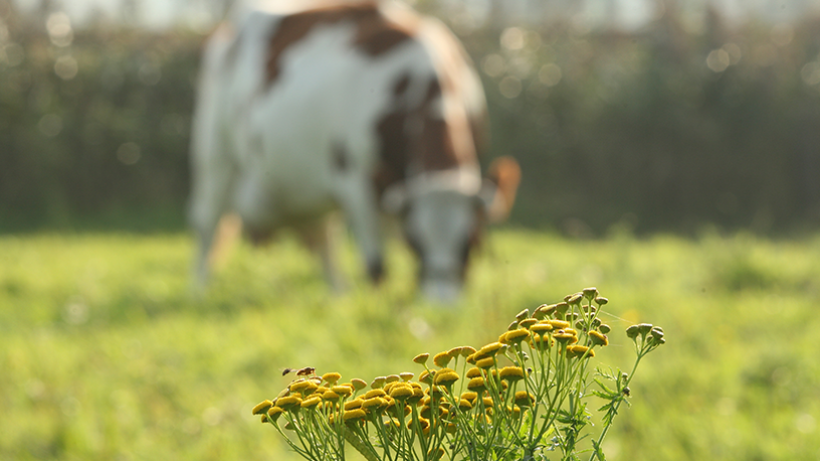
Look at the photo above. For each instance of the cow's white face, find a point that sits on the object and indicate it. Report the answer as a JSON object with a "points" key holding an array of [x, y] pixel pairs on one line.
{"points": [[442, 226]]}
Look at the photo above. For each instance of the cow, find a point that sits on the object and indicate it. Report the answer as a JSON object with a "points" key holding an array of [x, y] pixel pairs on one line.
{"points": [[366, 108]]}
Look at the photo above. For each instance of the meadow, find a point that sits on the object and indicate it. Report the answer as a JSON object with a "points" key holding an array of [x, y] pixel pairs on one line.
{"points": [[106, 355]]}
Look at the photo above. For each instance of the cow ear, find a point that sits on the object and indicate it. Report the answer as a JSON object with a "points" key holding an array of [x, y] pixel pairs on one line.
{"points": [[499, 189], [395, 199]]}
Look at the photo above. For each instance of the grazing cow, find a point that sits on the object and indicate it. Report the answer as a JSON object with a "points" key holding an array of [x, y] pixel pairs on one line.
{"points": [[352, 106]]}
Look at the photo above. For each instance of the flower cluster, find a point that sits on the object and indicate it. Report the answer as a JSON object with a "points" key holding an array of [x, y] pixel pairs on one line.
{"points": [[520, 397]]}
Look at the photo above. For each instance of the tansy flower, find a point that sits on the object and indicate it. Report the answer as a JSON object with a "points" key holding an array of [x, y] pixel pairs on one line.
{"points": [[477, 384], [465, 405], [511, 374], [343, 390], [331, 378], [466, 351], [330, 396], [274, 413], [401, 392], [565, 338], [288, 403], [446, 378], [391, 379], [526, 323], [353, 404], [488, 350], [558, 324], [598, 338], [358, 384], [374, 404], [516, 336], [541, 342], [524, 399], [421, 359], [354, 415], [406, 376], [579, 351], [469, 395], [374, 393], [378, 382], [305, 387], [442, 359], [262, 407], [473, 372], [311, 402], [485, 363]]}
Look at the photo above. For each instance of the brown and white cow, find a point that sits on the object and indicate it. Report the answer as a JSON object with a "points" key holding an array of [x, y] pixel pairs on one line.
{"points": [[360, 107]]}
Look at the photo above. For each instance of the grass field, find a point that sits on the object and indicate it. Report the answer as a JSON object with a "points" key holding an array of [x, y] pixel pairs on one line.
{"points": [[105, 355]]}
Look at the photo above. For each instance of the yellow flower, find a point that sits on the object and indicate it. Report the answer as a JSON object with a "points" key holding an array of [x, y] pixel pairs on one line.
{"points": [[541, 342], [488, 402], [289, 402], [579, 351], [485, 363], [343, 390], [544, 311], [598, 338], [358, 384], [421, 359], [330, 396], [565, 338], [442, 359], [488, 350], [558, 324], [477, 384], [469, 395], [516, 336], [378, 382], [354, 415], [541, 328], [374, 393], [374, 404], [331, 378], [401, 392], [524, 399], [512, 374], [353, 404], [473, 372], [392, 379], [406, 376], [466, 351], [425, 377], [435, 455], [526, 323], [311, 402], [274, 413], [262, 407], [465, 405], [305, 387], [446, 378]]}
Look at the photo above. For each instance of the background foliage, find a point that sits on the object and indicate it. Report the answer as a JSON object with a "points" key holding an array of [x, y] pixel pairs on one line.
{"points": [[664, 128]]}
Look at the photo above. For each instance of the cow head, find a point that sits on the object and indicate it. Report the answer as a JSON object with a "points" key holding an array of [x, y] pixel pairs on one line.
{"points": [[443, 214]]}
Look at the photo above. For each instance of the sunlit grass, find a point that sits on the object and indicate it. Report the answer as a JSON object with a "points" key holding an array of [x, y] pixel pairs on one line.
{"points": [[105, 354]]}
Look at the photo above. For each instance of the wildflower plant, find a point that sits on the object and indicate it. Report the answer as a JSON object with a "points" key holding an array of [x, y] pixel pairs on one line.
{"points": [[523, 397]]}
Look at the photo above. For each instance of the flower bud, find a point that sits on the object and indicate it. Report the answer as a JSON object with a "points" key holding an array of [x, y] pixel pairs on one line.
{"points": [[421, 359], [575, 299], [604, 328], [590, 293], [633, 331], [600, 300], [644, 328], [522, 315]]}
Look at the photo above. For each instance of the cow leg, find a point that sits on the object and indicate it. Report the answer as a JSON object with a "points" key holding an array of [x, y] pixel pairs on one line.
{"points": [[210, 200], [321, 239], [358, 200]]}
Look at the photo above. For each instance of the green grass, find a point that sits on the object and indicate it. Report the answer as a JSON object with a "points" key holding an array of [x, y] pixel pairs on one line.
{"points": [[105, 355]]}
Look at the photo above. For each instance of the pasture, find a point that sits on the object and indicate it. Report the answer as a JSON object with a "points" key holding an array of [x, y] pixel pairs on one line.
{"points": [[105, 354]]}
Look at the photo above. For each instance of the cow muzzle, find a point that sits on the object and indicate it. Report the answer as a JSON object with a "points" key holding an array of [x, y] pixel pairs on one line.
{"points": [[441, 291]]}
